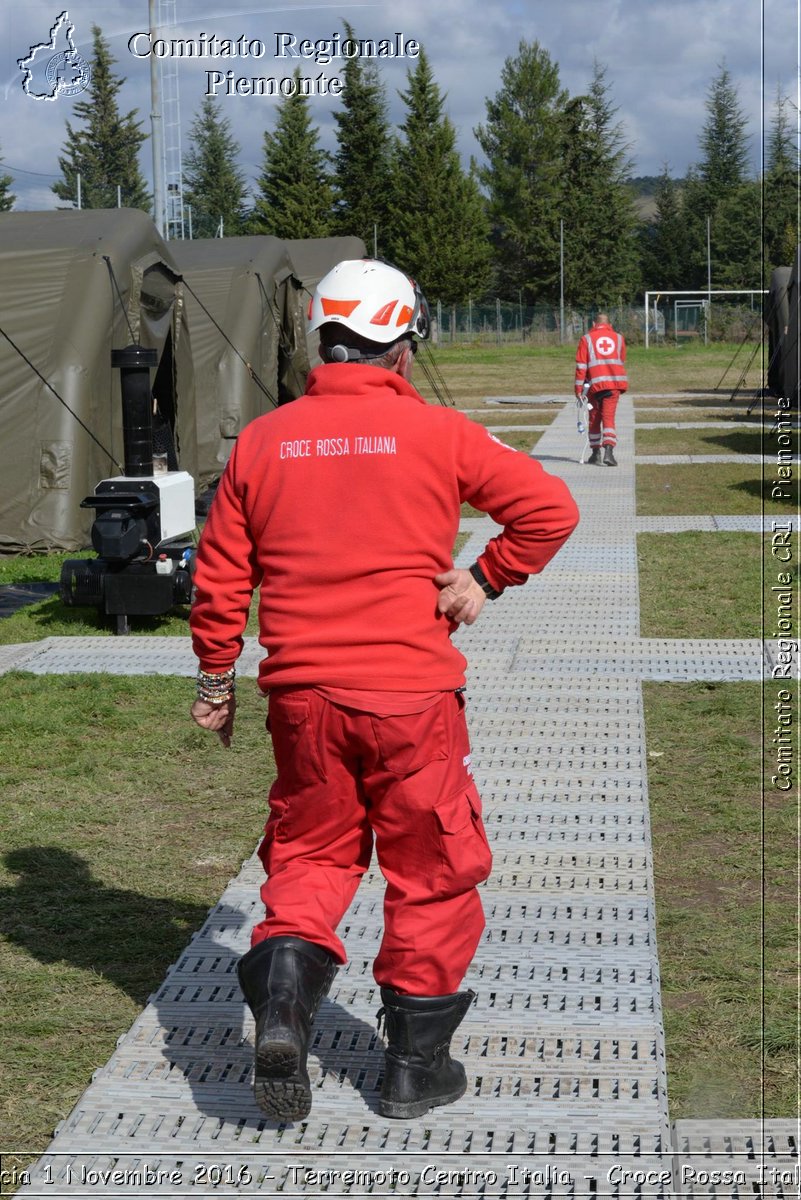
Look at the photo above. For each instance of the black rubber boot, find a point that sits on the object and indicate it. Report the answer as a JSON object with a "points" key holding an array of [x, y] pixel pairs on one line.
{"points": [[595, 458], [609, 457], [283, 980], [419, 1073]]}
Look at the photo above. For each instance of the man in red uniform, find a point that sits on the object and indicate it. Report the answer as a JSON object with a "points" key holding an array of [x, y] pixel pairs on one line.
{"points": [[343, 508], [601, 362]]}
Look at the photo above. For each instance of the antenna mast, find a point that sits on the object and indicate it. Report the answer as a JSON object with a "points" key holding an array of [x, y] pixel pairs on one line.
{"points": [[156, 126], [165, 118], [173, 167]]}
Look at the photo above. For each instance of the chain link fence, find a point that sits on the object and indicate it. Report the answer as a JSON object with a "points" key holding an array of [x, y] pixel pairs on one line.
{"points": [[506, 323]]}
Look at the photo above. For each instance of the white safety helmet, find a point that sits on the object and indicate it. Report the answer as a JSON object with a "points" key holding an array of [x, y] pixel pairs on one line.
{"points": [[372, 299]]}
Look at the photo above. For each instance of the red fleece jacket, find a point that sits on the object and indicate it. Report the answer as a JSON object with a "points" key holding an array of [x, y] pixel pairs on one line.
{"points": [[343, 506]]}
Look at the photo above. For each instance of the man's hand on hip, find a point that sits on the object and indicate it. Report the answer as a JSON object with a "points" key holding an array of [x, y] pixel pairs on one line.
{"points": [[218, 718], [460, 598]]}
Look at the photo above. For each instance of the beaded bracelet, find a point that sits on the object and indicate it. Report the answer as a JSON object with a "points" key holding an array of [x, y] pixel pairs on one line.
{"points": [[215, 697], [216, 687]]}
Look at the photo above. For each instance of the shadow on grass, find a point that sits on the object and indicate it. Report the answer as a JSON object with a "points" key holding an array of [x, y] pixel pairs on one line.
{"points": [[54, 618], [58, 913], [739, 441], [724, 392], [556, 457], [756, 488], [14, 596]]}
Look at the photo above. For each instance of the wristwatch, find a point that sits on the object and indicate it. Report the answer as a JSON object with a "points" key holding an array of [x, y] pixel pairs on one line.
{"points": [[482, 581]]}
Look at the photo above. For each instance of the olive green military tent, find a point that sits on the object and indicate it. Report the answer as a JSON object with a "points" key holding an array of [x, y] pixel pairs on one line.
{"points": [[311, 259], [246, 302], [247, 334], [77, 284], [777, 318], [790, 348]]}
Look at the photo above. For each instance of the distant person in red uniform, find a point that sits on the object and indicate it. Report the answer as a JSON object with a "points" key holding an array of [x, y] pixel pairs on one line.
{"points": [[601, 362], [343, 507]]}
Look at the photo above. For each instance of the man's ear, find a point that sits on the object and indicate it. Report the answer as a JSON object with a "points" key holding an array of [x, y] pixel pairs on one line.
{"points": [[405, 362]]}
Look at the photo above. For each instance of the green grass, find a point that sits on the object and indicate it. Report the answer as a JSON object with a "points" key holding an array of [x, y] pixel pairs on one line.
{"points": [[690, 368], [704, 767], [475, 371], [36, 568], [668, 411], [519, 439], [714, 585], [495, 414], [51, 618], [699, 441], [121, 824], [705, 488], [700, 585]]}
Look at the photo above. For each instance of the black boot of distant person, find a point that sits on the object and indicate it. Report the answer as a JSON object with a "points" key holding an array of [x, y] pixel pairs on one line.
{"points": [[595, 458], [609, 457]]}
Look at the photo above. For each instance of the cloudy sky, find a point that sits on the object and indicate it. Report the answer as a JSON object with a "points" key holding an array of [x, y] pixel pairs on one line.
{"points": [[660, 56]]}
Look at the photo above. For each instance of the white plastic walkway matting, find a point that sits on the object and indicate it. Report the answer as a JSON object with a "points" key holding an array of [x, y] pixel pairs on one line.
{"points": [[674, 460], [721, 524], [563, 1046]]}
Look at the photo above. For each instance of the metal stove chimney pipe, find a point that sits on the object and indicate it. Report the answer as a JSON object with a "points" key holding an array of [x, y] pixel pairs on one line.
{"points": [[134, 363]]}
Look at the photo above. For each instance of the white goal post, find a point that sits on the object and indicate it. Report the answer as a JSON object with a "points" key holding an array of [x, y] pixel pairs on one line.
{"points": [[699, 292]]}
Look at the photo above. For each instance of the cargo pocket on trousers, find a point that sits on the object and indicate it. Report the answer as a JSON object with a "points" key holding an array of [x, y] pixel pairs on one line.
{"points": [[466, 856], [295, 745], [410, 742]]}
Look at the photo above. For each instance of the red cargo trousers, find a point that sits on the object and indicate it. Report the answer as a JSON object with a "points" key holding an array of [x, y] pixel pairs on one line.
{"points": [[602, 413], [346, 777]]}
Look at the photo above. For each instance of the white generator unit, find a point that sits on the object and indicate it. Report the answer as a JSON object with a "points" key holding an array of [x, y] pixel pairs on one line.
{"points": [[144, 519]]}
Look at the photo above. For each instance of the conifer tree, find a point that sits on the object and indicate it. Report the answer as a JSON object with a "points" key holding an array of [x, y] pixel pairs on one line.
{"points": [[522, 140], [781, 232], [213, 184], [736, 241], [723, 142], [664, 241], [105, 151], [7, 199], [716, 178], [600, 221], [696, 215], [294, 198], [439, 231], [361, 175]]}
